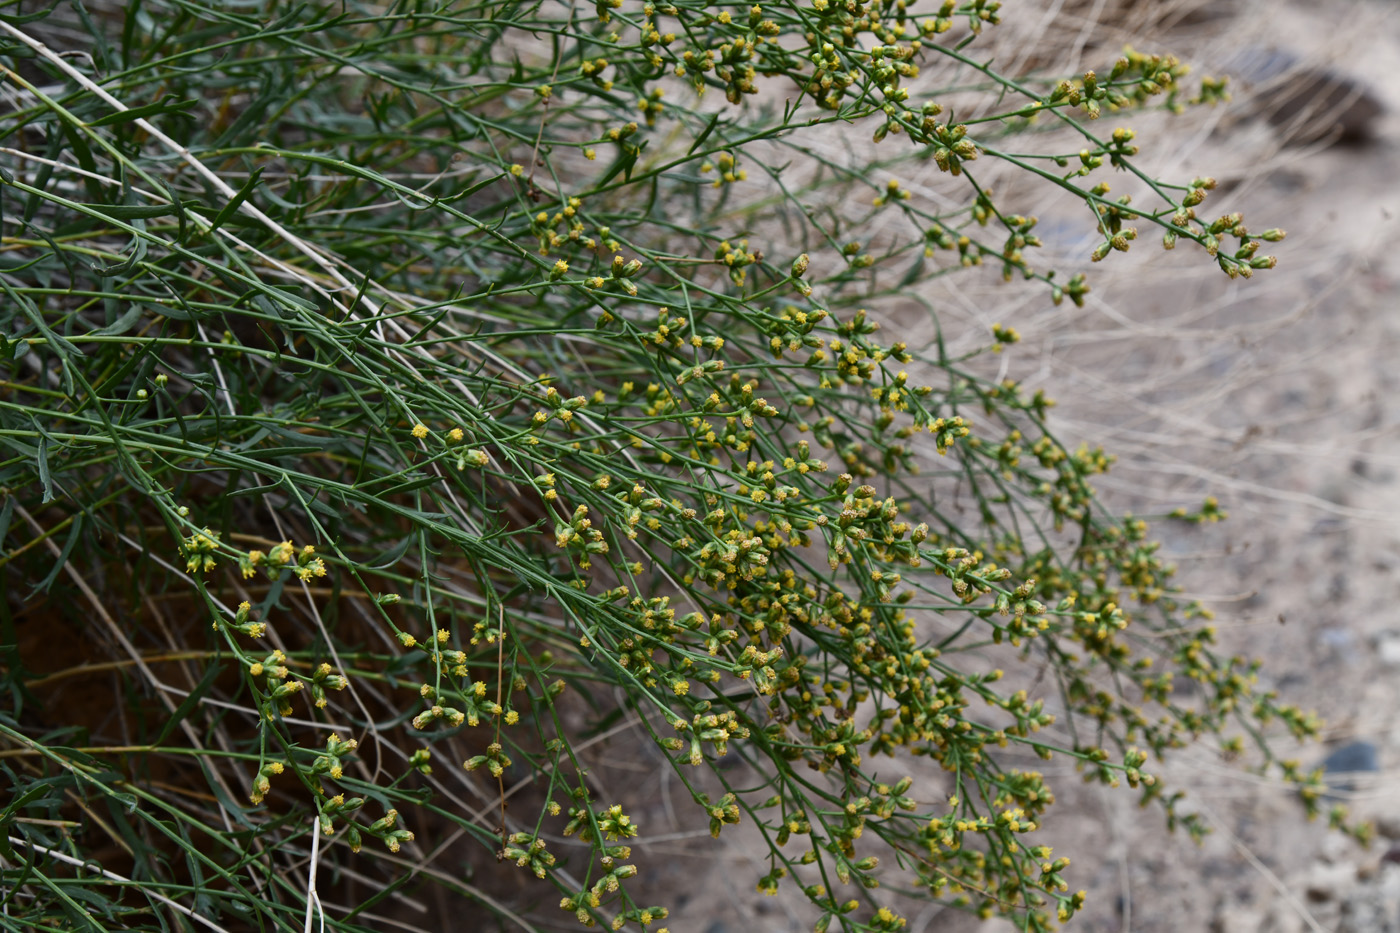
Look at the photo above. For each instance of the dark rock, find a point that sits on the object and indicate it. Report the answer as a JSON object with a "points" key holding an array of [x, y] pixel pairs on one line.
{"points": [[1352, 758], [1311, 103]]}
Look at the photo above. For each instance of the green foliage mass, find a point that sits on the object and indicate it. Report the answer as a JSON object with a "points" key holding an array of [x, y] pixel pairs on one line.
{"points": [[397, 397]]}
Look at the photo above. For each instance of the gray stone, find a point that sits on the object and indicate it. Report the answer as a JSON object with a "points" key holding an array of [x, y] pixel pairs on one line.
{"points": [[1329, 882], [1283, 918], [1353, 758], [1388, 648], [1238, 918], [1312, 103], [1374, 907]]}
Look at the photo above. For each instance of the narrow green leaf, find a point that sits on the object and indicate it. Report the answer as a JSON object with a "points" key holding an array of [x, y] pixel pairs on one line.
{"points": [[704, 134], [122, 324], [237, 200], [132, 211], [75, 534], [131, 115], [45, 480]]}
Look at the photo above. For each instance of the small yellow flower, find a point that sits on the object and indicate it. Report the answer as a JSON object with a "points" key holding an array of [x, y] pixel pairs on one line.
{"points": [[420, 430]]}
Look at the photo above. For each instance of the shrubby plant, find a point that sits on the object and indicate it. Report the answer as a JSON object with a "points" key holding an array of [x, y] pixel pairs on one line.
{"points": [[399, 395]]}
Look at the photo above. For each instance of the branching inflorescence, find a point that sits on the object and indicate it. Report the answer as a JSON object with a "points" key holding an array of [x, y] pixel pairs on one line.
{"points": [[470, 365]]}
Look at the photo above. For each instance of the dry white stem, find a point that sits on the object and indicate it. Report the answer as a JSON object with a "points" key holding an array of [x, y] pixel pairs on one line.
{"points": [[313, 900], [146, 889]]}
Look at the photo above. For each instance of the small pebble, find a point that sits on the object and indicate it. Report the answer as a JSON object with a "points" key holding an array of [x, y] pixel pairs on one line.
{"points": [[1352, 758]]}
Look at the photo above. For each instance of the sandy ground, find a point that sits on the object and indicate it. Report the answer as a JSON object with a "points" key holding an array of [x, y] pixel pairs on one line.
{"points": [[1279, 397]]}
